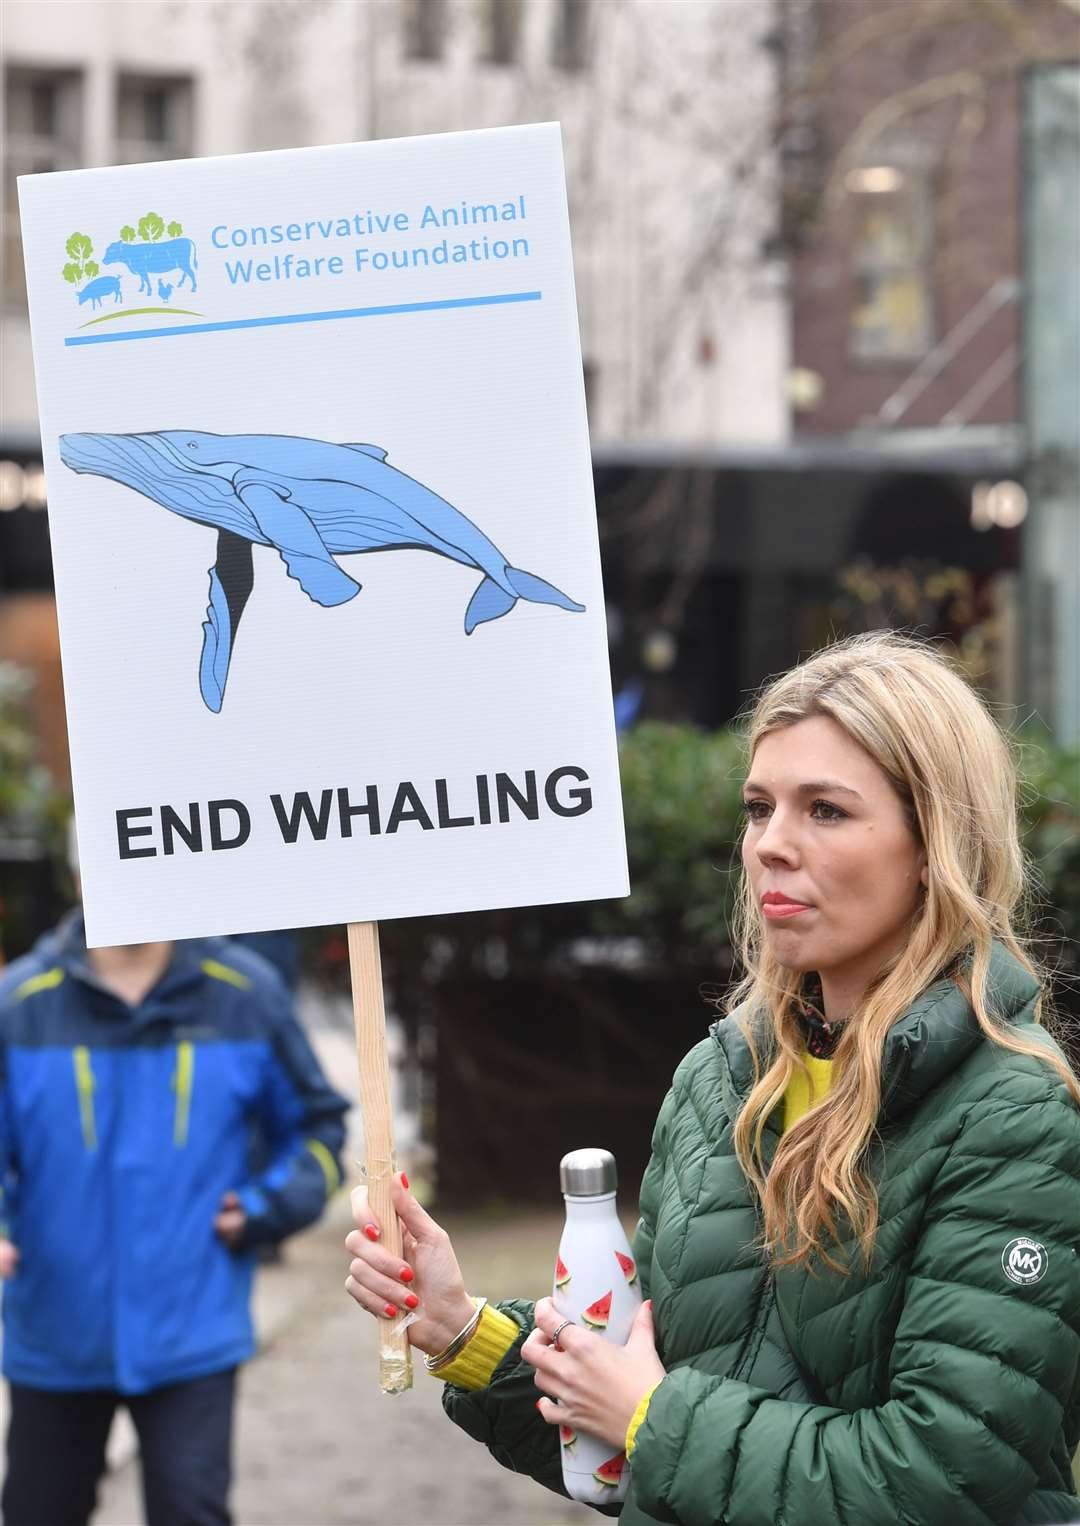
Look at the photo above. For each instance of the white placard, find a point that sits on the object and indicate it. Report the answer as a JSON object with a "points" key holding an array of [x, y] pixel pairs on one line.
{"points": [[254, 373]]}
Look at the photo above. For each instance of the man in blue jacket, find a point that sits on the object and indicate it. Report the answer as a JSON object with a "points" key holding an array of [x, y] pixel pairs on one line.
{"points": [[132, 1081]]}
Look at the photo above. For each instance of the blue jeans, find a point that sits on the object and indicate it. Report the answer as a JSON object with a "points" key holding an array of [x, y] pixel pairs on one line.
{"points": [[56, 1452]]}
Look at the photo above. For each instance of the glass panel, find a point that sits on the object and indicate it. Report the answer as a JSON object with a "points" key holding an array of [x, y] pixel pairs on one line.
{"points": [[504, 22], [785, 560], [424, 27], [892, 315], [155, 103], [571, 34], [153, 120], [43, 95], [42, 120]]}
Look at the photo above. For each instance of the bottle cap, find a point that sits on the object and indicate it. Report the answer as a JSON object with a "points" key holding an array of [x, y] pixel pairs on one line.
{"points": [[588, 1173]]}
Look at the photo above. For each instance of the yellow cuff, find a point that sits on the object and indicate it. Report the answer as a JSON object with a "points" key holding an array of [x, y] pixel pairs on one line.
{"points": [[490, 1341], [638, 1416]]}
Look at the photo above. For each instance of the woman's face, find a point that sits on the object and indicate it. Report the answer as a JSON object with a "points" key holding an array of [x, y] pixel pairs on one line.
{"points": [[835, 869]]}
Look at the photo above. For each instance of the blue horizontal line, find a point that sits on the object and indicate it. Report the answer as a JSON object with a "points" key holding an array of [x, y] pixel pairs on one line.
{"points": [[341, 312]]}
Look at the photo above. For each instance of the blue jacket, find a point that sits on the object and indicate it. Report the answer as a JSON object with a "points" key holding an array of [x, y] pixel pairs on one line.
{"points": [[120, 1129]]}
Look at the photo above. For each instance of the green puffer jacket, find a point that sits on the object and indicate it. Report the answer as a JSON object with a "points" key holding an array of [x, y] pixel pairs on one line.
{"points": [[937, 1389]]}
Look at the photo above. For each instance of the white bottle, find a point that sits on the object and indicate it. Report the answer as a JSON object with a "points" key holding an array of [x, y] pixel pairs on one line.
{"points": [[596, 1285]]}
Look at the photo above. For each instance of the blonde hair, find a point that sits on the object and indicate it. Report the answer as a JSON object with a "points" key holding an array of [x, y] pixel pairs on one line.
{"points": [[951, 767]]}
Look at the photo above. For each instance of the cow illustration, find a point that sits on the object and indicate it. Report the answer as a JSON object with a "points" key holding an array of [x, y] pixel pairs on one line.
{"points": [[159, 259], [104, 286]]}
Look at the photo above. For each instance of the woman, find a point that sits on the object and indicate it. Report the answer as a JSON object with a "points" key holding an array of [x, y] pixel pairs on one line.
{"points": [[860, 1226]]}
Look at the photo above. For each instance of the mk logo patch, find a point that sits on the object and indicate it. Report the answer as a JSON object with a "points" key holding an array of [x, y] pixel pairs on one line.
{"points": [[1024, 1261]]}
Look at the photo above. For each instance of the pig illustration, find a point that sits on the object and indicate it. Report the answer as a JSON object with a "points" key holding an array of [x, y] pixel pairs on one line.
{"points": [[104, 286]]}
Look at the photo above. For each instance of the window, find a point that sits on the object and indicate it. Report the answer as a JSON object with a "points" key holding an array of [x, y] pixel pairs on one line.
{"points": [[503, 29], [892, 253], [43, 122], [153, 119], [425, 27], [570, 50]]}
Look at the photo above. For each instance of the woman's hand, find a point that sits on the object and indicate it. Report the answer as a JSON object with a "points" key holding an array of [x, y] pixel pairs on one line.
{"points": [[427, 1279], [598, 1385]]}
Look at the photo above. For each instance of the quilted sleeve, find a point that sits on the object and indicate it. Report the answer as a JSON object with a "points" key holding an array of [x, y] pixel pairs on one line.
{"points": [[985, 1363], [651, 1183], [503, 1415]]}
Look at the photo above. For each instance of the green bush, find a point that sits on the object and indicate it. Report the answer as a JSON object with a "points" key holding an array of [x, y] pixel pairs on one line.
{"points": [[682, 802], [681, 795], [32, 817], [30, 810], [1050, 809]]}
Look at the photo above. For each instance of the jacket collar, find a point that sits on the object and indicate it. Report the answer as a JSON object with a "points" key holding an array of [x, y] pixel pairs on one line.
{"points": [[923, 1047], [65, 945]]}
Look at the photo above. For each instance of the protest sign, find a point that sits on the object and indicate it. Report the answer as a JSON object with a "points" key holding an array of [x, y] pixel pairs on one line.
{"points": [[254, 373]]}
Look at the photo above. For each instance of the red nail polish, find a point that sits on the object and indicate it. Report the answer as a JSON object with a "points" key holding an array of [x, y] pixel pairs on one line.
{"points": [[404, 1180], [371, 1232], [538, 1404], [411, 1301], [390, 1310], [406, 1274]]}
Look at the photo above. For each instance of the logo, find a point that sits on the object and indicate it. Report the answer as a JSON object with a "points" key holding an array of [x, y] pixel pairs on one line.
{"points": [[1024, 1261], [156, 254]]}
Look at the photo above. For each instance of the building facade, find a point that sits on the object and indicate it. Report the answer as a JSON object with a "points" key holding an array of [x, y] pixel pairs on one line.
{"points": [[667, 109], [666, 105], [815, 211], [929, 208]]}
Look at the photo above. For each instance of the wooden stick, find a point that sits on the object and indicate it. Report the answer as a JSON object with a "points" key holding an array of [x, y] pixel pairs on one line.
{"points": [[369, 1016]]}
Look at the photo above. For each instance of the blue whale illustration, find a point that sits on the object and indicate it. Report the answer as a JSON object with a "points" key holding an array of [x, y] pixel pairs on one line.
{"points": [[311, 500]]}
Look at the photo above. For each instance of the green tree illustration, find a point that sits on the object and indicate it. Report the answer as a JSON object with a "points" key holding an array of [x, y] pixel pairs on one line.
{"points": [[151, 227], [174, 230], [127, 234], [79, 249]]}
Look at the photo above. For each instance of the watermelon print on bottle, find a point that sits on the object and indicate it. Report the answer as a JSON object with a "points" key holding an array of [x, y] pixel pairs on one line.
{"points": [[609, 1474], [601, 1299], [598, 1313]]}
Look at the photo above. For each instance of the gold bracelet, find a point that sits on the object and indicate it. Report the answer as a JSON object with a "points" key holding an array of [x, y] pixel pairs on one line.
{"points": [[460, 1341]]}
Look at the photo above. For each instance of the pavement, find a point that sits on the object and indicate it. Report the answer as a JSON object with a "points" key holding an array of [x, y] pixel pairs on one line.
{"points": [[317, 1442]]}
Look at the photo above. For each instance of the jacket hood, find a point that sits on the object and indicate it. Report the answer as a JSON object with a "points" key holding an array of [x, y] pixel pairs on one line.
{"points": [[936, 1034]]}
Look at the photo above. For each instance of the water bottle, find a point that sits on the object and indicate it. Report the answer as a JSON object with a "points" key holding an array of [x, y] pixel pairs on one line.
{"points": [[596, 1285]]}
